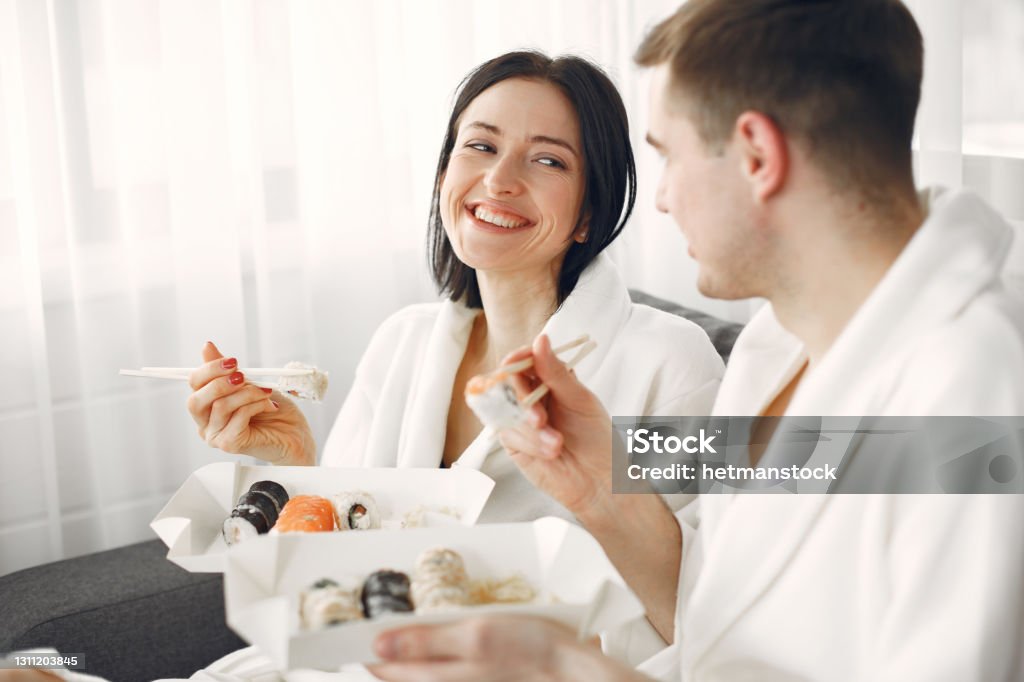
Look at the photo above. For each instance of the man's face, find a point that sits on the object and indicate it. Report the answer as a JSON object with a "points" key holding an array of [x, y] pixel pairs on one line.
{"points": [[705, 192]]}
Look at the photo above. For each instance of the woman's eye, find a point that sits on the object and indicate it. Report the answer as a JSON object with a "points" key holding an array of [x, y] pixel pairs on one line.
{"points": [[480, 146], [553, 163]]}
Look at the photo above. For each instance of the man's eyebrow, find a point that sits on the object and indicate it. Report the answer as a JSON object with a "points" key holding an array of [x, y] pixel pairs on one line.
{"points": [[654, 142], [543, 139]]}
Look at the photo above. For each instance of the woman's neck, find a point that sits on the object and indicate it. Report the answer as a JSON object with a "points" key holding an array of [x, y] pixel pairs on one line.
{"points": [[516, 308]]}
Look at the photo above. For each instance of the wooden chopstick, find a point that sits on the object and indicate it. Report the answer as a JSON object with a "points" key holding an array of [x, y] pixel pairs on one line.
{"points": [[149, 374], [516, 367], [254, 371], [542, 390]]}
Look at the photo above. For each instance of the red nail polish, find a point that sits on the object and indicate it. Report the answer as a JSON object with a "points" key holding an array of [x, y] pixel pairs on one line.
{"points": [[236, 378], [266, 390], [274, 403], [229, 363]]}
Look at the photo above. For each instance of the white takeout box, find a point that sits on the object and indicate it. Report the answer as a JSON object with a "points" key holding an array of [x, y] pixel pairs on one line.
{"points": [[264, 578], [190, 523]]}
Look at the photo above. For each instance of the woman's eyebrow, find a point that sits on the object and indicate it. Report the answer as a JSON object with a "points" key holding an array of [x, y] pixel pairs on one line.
{"points": [[543, 139]]}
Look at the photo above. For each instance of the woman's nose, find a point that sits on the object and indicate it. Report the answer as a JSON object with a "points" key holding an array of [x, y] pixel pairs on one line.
{"points": [[503, 177]]}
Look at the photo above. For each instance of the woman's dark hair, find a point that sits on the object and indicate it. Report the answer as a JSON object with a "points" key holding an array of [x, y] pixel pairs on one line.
{"points": [[609, 168]]}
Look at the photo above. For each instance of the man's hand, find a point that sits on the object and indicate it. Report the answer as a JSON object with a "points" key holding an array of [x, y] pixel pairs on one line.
{"points": [[564, 447], [493, 649]]}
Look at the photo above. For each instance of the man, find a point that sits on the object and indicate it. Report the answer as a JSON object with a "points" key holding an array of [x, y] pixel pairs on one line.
{"points": [[785, 127]]}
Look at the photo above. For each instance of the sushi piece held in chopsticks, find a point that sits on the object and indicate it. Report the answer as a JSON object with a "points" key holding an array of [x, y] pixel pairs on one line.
{"points": [[326, 602], [310, 386], [306, 514], [386, 592], [356, 510], [492, 397], [493, 400]]}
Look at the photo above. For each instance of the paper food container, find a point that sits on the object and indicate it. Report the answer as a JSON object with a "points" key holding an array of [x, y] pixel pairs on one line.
{"points": [[190, 523], [264, 579]]}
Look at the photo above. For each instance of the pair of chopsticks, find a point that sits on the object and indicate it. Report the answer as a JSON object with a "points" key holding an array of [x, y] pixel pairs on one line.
{"points": [[181, 373], [587, 346]]}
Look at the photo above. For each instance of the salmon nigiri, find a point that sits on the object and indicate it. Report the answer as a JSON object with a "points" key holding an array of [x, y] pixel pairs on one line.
{"points": [[306, 514]]}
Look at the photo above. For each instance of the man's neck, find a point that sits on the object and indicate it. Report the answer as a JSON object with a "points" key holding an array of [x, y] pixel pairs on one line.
{"points": [[837, 263]]}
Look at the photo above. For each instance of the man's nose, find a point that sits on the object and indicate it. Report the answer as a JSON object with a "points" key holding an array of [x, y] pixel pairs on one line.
{"points": [[659, 196]]}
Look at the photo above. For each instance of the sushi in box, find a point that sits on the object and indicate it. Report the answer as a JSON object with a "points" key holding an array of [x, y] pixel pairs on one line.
{"points": [[226, 503], [277, 587]]}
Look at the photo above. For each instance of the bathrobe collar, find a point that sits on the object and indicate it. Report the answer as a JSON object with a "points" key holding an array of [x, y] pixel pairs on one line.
{"points": [[957, 253], [599, 305]]}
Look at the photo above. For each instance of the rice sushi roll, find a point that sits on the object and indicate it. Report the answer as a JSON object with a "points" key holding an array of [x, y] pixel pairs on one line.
{"points": [[493, 400], [328, 603], [245, 522], [306, 513], [386, 592], [356, 510], [272, 490], [440, 582]]}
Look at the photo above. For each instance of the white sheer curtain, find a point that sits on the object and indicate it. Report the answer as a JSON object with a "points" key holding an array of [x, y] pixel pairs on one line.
{"points": [[257, 173]]}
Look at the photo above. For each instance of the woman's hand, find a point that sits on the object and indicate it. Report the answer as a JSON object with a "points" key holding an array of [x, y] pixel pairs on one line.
{"points": [[493, 648], [246, 419], [565, 446]]}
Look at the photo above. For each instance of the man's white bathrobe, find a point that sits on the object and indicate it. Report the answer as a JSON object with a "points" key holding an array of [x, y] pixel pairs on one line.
{"points": [[646, 362], [870, 587]]}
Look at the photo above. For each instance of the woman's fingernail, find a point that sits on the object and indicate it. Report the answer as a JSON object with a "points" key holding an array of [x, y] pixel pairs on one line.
{"points": [[548, 437], [533, 418], [266, 390], [229, 363], [236, 378]]}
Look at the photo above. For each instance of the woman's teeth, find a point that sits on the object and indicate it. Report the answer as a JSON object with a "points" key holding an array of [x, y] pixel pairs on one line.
{"points": [[494, 219]]}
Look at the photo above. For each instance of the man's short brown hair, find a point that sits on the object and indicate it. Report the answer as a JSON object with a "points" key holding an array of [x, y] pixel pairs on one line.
{"points": [[842, 76]]}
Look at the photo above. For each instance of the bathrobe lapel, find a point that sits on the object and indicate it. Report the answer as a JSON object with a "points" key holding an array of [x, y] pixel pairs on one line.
{"points": [[421, 443]]}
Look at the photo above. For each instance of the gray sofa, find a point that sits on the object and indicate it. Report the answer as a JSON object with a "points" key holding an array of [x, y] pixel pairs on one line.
{"points": [[135, 616]]}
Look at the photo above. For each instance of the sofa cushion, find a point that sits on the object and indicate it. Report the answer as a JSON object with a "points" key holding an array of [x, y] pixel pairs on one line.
{"points": [[130, 612], [721, 332]]}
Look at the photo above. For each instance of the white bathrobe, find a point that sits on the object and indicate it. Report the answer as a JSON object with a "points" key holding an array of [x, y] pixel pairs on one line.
{"points": [[647, 362], [870, 587]]}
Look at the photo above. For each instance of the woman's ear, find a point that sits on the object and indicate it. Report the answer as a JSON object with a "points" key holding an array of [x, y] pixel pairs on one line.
{"points": [[580, 235]]}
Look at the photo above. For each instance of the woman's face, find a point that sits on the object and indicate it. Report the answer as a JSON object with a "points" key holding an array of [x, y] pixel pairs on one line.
{"points": [[512, 192]]}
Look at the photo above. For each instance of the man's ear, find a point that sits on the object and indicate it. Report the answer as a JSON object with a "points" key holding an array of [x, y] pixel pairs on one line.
{"points": [[763, 153]]}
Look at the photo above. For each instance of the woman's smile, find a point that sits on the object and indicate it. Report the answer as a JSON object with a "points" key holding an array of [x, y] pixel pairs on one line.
{"points": [[493, 217]]}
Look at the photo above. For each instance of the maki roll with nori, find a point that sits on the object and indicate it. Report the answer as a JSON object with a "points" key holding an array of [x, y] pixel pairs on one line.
{"points": [[260, 502], [244, 522], [256, 512], [272, 490], [386, 592], [356, 511]]}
